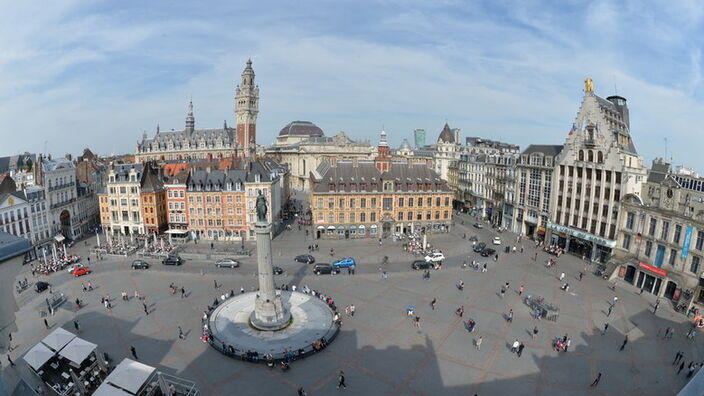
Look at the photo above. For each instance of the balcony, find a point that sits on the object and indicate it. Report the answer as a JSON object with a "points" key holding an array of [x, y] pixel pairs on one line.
{"points": [[59, 204], [60, 186], [589, 143]]}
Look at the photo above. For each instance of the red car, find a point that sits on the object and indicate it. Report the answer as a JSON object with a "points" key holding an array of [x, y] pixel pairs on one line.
{"points": [[81, 271]]}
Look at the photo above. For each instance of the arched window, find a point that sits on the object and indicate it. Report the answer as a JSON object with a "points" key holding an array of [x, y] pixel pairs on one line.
{"points": [[590, 156], [600, 157], [581, 155]]}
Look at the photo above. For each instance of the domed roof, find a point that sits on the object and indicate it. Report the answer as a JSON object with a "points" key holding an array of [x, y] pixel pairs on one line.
{"points": [[446, 136], [301, 128], [405, 145]]}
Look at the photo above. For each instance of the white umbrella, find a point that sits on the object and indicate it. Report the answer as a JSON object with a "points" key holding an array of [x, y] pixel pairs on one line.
{"points": [[44, 252], [97, 237], [155, 240], [38, 356], [65, 254], [53, 251], [162, 244]]}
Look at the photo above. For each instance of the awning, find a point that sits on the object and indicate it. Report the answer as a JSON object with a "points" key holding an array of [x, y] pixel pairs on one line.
{"points": [[37, 356], [78, 350], [331, 227], [106, 389], [353, 227], [130, 375], [362, 226], [373, 226], [58, 339], [59, 237], [321, 227], [180, 232], [340, 227]]}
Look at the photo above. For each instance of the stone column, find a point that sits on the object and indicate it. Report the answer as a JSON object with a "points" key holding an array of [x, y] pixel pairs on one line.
{"points": [[269, 311]]}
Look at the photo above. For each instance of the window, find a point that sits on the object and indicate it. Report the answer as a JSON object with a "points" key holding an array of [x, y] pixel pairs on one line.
{"points": [[341, 218], [388, 203], [630, 220], [694, 267], [410, 202], [331, 203], [665, 230], [673, 256], [678, 233], [342, 203], [651, 227], [400, 202], [626, 241], [437, 201], [331, 217], [362, 202], [700, 240], [320, 203], [351, 216], [410, 216], [648, 248], [352, 204], [362, 217], [372, 216]]}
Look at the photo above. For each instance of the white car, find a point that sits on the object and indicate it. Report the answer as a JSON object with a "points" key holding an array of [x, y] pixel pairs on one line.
{"points": [[72, 267], [435, 257], [496, 241]]}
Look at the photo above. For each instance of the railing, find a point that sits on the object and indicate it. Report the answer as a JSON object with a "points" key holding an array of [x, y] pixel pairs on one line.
{"points": [[59, 204], [60, 186]]}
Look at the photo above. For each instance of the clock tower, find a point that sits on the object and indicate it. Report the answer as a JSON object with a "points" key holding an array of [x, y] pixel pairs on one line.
{"points": [[246, 110]]}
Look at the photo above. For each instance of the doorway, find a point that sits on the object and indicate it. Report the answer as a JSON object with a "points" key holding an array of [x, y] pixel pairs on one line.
{"points": [[670, 290], [630, 274]]}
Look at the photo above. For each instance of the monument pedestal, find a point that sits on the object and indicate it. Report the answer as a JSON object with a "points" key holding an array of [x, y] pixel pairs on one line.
{"points": [[270, 313]]}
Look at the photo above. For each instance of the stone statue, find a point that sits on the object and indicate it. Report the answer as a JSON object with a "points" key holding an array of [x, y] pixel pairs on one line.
{"points": [[588, 85], [261, 207]]}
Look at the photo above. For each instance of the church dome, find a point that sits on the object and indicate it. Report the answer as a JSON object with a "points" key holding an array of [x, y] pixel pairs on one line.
{"points": [[446, 136], [405, 145], [301, 128]]}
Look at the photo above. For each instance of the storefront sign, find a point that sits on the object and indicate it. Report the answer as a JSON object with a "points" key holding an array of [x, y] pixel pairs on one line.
{"points": [[687, 240], [582, 235], [655, 270]]}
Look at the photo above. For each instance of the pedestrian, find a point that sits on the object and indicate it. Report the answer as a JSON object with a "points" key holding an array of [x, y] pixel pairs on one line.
{"points": [[596, 380], [341, 380], [478, 343], [681, 368], [562, 276], [625, 341], [384, 275], [509, 317], [615, 300], [515, 346], [180, 333], [484, 268], [183, 292], [520, 349], [655, 308], [520, 290], [215, 283], [353, 268], [146, 310], [502, 292], [77, 326], [46, 323], [134, 352], [606, 327], [678, 356], [521, 249], [241, 289], [580, 276], [301, 391], [609, 313], [567, 343], [432, 303], [84, 287], [9, 360], [416, 321], [90, 286], [352, 309], [535, 331], [691, 368], [535, 258]]}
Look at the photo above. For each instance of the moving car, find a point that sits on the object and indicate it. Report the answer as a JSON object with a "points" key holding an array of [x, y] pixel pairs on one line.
{"points": [[305, 258], [41, 286], [325, 268], [421, 264], [478, 225], [227, 263], [172, 260], [72, 267], [496, 241], [80, 271], [278, 270], [487, 252], [140, 264], [344, 262], [479, 247], [435, 257]]}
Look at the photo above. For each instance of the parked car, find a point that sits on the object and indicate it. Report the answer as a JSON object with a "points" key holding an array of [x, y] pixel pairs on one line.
{"points": [[305, 258], [72, 267], [496, 241], [435, 257], [344, 262], [488, 252], [80, 271], [478, 225], [227, 263], [172, 260], [421, 264], [325, 268], [479, 247], [140, 264], [41, 286], [278, 270]]}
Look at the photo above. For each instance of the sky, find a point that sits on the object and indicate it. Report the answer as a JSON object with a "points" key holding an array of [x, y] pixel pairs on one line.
{"points": [[98, 74]]}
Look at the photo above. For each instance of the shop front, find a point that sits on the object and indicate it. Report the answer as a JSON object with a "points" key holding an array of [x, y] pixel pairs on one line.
{"points": [[581, 243], [651, 279]]}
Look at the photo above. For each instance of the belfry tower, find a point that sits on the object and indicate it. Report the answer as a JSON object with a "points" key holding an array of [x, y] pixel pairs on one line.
{"points": [[246, 110]]}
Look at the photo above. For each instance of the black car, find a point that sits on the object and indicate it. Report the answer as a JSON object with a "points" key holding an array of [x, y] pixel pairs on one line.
{"points": [[305, 258], [479, 247], [325, 268], [278, 270], [487, 252], [172, 260], [41, 286], [421, 264], [140, 264]]}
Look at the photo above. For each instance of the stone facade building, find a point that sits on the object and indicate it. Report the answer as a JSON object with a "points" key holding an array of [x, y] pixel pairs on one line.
{"points": [[192, 143], [597, 167], [39, 213], [121, 204], [447, 149]]}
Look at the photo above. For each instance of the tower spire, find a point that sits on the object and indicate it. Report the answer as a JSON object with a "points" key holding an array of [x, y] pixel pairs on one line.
{"points": [[190, 120], [246, 109]]}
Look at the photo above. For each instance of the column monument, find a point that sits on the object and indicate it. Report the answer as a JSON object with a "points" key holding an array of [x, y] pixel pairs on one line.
{"points": [[269, 310]]}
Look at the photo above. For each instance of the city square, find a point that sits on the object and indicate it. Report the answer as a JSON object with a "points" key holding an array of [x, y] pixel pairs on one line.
{"points": [[379, 348]]}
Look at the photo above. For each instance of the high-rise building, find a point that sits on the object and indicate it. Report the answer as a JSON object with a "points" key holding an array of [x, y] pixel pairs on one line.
{"points": [[598, 165], [419, 137]]}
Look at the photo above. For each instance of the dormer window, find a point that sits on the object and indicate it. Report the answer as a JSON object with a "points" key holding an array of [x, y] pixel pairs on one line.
{"points": [[257, 178], [331, 187]]}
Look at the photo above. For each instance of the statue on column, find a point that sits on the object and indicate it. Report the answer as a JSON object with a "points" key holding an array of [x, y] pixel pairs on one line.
{"points": [[261, 208], [588, 85]]}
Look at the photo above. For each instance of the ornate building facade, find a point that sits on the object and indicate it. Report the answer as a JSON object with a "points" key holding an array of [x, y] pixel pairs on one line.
{"points": [[192, 143]]}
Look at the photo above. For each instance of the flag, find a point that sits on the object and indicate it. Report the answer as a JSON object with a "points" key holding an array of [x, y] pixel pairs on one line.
{"points": [[574, 128]]}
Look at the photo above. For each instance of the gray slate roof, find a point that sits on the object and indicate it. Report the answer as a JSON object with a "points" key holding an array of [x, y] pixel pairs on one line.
{"points": [[178, 138], [12, 246], [548, 150], [301, 128]]}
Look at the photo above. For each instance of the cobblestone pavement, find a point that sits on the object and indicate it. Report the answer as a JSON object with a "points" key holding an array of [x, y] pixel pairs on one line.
{"points": [[379, 349]]}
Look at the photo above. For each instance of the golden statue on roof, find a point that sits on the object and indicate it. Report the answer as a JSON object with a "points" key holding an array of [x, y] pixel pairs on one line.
{"points": [[588, 85]]}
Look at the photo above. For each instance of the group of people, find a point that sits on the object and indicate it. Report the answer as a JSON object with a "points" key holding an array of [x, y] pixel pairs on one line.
{"points": [[553, 249]]}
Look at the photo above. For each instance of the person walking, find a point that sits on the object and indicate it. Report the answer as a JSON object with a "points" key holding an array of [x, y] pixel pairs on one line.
{"points": [[678, 356], [655, 308], [9, 360], [180, 333], [215, 283], [596, 380], [615, 300], [520, 290], [134, 352], [433, 303], [416, 321], [606, 327], [77, 326], [341, 380], [581, 274], [535, 332], [146, 309], [478, 343], [625, 341], [692, 366], [520, 349], [681, 368], [562, 276], [46, 323], [515, 346], [509, 316], [535, 257], [183, 292], [611, 307], [301, 391], [352, 309], [502, 292], [568, 341]]}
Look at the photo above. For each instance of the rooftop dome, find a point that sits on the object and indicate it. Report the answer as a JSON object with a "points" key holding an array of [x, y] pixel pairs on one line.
{"points": [[446, 136], [405, 145], [301, 128]]}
